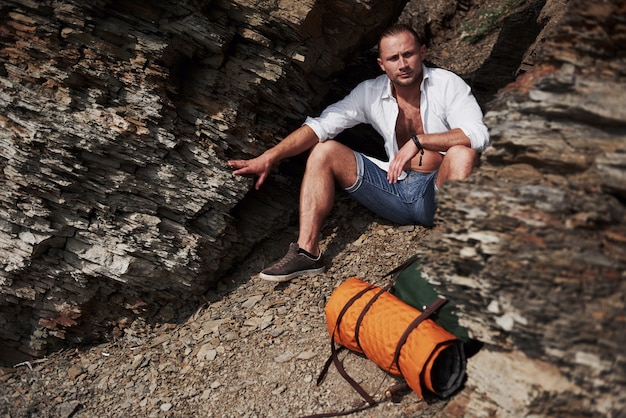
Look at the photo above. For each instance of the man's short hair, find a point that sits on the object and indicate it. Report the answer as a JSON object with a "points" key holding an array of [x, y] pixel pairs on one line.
{"points": [[397, 29]]}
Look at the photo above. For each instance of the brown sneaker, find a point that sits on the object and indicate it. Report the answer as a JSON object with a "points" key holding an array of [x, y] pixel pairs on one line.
{"points": [[292, 265]]}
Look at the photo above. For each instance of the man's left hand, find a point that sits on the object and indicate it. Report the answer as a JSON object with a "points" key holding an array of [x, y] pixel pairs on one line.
{"points": [[401, 160]]}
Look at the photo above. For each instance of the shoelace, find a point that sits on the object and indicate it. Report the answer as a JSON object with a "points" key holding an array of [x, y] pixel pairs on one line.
{"points": [[287, 258]]}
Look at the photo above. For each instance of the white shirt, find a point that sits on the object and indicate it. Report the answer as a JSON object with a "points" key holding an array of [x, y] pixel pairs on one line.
{"points": [[446, 103]]}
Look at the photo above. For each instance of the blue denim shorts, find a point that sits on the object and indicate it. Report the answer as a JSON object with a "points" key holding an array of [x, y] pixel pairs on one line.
{"points": [[409, 201]]}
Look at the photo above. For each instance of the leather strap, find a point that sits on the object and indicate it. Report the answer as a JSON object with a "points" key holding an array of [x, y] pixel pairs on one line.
{"points": [[334, 356], [332, 339], [401, 267], [339, 413], [339, 365], [369, 304], [424, 315], [366, 308]]}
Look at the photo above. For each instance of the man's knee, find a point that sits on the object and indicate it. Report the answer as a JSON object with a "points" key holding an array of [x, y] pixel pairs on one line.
{"points": [[321, 151], [336, 157], [328, 152], [460, 154], [459, 162]]}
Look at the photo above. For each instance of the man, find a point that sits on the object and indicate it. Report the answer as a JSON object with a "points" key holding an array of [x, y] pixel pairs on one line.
{"points": [[432, 129]]}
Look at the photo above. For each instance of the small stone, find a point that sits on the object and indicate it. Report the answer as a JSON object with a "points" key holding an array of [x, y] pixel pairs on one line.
{"points": [[74, 372], [212, 326], [266, 321], [253, 322], [279, 390], [253, 300], [206, 352], [166, 407], [284, 357], [137, 360], [360, 240], [277, 332], [306, 355], [67, 409]]}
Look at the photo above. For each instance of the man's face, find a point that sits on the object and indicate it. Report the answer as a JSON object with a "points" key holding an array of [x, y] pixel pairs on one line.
{"points": [[400, 57]]}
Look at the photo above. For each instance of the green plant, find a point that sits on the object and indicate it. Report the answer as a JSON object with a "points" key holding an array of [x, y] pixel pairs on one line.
{"points": [[488, 21]]}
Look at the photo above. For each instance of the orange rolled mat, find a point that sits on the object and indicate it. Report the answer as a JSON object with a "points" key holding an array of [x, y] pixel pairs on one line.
{"points": [[431, 360]]}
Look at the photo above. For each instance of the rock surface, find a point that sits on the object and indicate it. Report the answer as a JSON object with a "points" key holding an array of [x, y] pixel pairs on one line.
{"points": [[117, 121], [531, 248]]}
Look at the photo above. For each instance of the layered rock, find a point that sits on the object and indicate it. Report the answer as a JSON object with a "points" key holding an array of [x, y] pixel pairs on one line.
{"points": [[532, 247], [117, 120]]}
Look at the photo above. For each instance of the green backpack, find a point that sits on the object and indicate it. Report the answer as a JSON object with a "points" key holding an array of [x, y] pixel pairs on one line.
{"points": [[414, 290]]}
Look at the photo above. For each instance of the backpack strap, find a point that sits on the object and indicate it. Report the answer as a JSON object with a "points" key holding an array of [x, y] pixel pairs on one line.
{"points": [[384, 289], [424, 315], [334, 350], [334, 358], [357, 325], [401, 267]]}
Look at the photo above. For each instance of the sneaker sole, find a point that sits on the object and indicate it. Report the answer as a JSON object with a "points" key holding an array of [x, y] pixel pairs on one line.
{"points": [[287, 277]]}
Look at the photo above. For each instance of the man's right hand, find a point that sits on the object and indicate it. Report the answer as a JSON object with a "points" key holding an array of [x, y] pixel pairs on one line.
{"points": [[259, 166], [295, 143]]}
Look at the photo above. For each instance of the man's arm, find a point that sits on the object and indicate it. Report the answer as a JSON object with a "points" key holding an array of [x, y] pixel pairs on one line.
{"points": [[295, 143], [439, 142], [443, 141], [463, 112]]}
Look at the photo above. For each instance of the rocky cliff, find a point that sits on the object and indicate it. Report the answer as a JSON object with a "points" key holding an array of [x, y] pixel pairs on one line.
{"points": [[533, 247], [117, 119]]}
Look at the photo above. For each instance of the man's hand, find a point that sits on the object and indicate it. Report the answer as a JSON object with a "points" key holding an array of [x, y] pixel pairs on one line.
{"points": [[295, 143], [259, 166], [400, 161]]}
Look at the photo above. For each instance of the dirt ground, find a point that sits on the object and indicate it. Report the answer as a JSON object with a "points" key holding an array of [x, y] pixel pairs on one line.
{"points": [[254, 348]]}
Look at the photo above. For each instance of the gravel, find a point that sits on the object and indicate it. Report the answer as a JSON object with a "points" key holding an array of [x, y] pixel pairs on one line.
{"points": [[254, 349]]}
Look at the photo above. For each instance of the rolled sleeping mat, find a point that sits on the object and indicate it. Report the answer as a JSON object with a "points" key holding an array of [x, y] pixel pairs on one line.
{"points": [[374, 324]]}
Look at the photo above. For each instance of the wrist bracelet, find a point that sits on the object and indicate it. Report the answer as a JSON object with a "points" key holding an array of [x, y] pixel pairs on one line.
{"points": [[419, 146]]}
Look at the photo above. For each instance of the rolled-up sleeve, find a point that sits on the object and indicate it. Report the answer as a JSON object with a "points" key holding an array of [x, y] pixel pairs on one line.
{"points": [[465, 113], [344, 114]]}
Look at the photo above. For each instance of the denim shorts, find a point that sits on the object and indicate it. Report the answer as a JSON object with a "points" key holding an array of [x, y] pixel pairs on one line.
{"points": [[409, 201]]}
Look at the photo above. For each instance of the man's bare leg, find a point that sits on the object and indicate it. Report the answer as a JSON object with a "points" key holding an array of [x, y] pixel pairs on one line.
{"points": [[329, 163], [457, 164]]}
